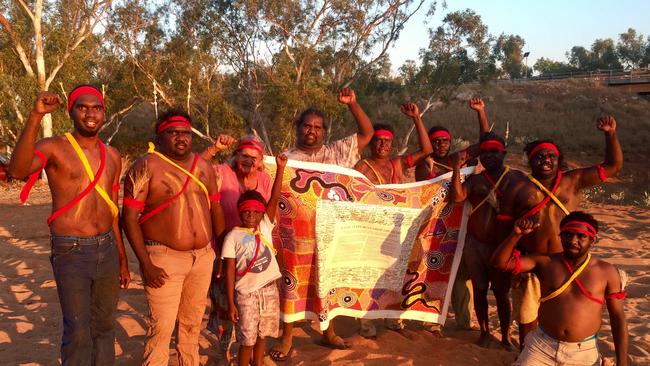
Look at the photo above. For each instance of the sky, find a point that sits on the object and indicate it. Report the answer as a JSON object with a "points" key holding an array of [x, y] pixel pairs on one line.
{"points": [[549, 27]]}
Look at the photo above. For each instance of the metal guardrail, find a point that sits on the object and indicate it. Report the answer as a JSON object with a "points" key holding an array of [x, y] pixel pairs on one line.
{"points": [[608, 76]]}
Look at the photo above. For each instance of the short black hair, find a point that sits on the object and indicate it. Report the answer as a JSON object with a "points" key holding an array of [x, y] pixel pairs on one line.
{"points": [[169, 114], [81, 86], [531, 146], [486, 136], [580, 216], [309, 112], [383, 126], [251, 195], [436, 129]]}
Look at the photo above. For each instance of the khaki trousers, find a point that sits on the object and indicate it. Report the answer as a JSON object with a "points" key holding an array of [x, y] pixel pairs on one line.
{"points": [[183, 296]]}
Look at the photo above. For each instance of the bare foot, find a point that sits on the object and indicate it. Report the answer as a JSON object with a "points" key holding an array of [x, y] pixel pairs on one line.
{"points": [[335, 342]]}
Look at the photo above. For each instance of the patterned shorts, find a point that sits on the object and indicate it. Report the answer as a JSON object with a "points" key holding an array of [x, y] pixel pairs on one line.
{"points": [[259, 314]]}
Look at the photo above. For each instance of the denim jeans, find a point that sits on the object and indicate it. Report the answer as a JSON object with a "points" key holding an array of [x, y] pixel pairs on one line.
{"points": [[87, 274]]}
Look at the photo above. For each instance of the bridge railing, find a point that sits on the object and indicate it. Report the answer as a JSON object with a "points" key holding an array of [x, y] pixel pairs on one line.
{"points": [[603, 75]]}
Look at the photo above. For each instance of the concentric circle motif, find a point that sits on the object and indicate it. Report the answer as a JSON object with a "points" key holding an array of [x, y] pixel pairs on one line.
{"points": [[435, 260], [384, 196], [288, 281], [285, 206], [347, 299]]}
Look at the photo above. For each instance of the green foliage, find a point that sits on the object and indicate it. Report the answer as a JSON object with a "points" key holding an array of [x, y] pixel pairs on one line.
{"points": [[509, 50], [547, 67]]}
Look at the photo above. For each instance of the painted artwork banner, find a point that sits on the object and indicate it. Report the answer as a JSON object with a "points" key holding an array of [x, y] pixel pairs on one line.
{"points": [[348, 247]]}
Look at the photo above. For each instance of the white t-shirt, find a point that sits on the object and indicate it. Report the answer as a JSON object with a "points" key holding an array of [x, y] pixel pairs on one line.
{"points": [[343, 152], [240, 244]]}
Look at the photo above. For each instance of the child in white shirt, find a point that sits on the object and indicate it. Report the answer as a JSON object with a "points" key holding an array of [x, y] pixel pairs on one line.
{"points": [[251, 271]]}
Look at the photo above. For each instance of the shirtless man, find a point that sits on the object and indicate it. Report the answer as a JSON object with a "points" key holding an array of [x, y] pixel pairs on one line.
{"points": [[381, 168], [439, 163], [88, 257], [171, 216], [310, 134], [483, 191], [548, 194], [575, 286]]}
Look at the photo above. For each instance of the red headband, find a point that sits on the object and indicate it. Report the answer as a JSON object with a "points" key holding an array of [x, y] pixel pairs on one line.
{"points": [[440, 133], [384, 133], [250, 144], [83, 90], [581, 227], [173, 121], [492, 145], [544, 145], [251, 205]]}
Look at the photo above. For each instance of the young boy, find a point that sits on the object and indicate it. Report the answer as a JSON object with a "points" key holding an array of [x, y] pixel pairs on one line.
{"points": [[251, 271], [574, 287]]}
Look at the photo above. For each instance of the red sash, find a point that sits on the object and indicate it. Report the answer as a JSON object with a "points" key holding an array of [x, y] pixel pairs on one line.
{"points": [[580, 287], [546, 199], [87, 190], [24, 193], [164, 205]]}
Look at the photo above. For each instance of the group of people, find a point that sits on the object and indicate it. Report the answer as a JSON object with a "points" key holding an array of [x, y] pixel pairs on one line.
{"points": [[199, 227]]}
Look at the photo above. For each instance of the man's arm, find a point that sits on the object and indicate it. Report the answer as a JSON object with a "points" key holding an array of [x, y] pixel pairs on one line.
{"points": [[478, 105], [23, 161], [272, 206], [216, 211], [615, 308], [136, 187], [221, 143], [365, 130], [459, 191], [505, 215], [503, 257], [412, 111], [125, 275], [613, 163]]}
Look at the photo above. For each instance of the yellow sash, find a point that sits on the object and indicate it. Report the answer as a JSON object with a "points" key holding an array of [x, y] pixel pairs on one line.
{"points": [[262, 238], [381, 181], [568, 282], [494, 189], [91, 175], [152, 150], [434, 162], [548, 193]]}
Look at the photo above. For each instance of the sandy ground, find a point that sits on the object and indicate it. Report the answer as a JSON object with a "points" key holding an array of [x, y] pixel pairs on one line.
{"points": [[30, 319]]}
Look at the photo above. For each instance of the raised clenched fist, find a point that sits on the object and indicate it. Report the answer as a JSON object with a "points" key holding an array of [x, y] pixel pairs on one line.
{"points": [[410, 109], [281, 160], [458, 159], [606, 124], [477, 104], [223, 142], [347, 96], [47, 102], [525, 226]]}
